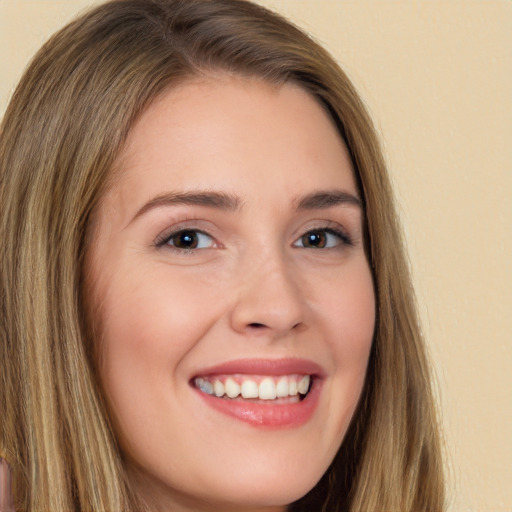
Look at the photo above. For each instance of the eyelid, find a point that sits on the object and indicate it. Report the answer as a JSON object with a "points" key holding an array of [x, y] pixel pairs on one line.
{"points": [[191, 224]]}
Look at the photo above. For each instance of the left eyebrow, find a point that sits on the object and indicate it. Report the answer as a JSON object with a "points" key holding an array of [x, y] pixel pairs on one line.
{"points": [[327, 199]]}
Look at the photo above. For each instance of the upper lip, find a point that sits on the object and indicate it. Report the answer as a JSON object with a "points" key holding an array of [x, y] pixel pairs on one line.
{"points": [[275, 367]]}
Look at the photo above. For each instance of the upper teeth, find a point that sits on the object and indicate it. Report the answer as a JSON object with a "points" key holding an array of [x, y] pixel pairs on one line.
{"points": [[269, 388]]}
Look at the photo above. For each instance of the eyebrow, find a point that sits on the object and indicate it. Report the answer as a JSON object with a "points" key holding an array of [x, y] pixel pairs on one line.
{"points": [[327, 199], [217, 200], [228, 202]]}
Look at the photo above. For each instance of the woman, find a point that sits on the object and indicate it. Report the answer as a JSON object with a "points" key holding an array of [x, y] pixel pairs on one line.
{"points": [[205, 300]]}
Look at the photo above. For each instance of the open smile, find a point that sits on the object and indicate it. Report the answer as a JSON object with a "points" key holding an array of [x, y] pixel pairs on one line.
{"points": [[282, 393]]}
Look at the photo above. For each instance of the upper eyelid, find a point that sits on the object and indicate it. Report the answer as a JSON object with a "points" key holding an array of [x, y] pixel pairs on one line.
{"points": [[186, 224], [327, 225]]}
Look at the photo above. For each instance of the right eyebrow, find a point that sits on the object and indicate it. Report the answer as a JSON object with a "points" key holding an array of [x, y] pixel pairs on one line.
{"points": [[218, 200]]}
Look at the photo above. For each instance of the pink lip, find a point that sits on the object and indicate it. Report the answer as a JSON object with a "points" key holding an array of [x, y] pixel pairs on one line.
{"points": [[264, 367], [267, 414]]}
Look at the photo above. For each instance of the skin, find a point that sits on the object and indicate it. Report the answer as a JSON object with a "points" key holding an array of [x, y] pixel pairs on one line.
{"points": [[252, 289], [6, 498]]}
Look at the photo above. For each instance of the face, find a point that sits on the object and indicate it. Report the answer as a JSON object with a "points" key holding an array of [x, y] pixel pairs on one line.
{"points": [[233, 294]]}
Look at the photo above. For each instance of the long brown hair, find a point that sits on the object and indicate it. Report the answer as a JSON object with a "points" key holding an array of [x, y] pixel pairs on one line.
{"points": [[59, 140]]}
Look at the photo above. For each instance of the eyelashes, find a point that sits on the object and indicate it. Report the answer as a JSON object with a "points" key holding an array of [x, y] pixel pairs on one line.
{"points": [[189, 240], [323, 238]]}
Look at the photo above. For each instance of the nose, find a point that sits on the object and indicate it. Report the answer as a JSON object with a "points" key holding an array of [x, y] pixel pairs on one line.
{"points": [[269, 301]]}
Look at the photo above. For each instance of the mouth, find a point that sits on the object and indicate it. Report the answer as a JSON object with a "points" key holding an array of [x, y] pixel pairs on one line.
{"points": [[281, 393]]}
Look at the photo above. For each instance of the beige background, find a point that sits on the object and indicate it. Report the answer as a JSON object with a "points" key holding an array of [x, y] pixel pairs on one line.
{"points": [[437, 77]]}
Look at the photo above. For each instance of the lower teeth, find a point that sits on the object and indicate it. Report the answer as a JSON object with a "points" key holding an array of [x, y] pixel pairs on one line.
{"points": [[287, 400]]}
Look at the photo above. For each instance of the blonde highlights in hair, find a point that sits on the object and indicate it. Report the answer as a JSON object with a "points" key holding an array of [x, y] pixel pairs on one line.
{"points": [[59, 141]]}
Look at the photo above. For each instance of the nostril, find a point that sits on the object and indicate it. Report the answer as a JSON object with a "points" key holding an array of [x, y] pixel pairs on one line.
{"points": [[257, 325]]}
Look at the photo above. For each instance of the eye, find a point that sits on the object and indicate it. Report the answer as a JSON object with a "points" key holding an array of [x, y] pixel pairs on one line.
{"points": [[189, 239], [322, 239]]}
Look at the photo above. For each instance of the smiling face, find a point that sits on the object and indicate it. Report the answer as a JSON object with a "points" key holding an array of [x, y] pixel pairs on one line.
{"points": [[234, 297]]}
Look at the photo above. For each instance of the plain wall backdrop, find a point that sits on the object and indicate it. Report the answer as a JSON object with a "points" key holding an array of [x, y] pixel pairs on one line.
{"points": [[437, 77]]}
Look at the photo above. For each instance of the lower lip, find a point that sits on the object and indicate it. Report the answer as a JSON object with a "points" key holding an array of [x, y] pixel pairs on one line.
{"points": [[268, 414]]}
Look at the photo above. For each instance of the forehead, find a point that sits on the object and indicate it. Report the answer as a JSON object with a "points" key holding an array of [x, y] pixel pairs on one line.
{"points": [[237, 134]]}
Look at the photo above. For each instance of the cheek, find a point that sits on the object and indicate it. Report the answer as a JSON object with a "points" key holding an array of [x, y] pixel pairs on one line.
{"points": [[350, 320], [148, 327], [152, 316], [150, 321], [348, 309]]}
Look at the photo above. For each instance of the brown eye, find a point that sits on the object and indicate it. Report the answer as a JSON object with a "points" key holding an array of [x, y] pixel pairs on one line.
{"points": [[314, 239], [184, 240], [190, 239], [326, 238]]}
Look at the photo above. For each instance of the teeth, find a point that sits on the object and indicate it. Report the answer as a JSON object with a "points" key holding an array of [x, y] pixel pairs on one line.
{"points": [[218, 388], [269, 388], [282, 387], [232, 388], [303, 385], [249, 389], [205, 386]]}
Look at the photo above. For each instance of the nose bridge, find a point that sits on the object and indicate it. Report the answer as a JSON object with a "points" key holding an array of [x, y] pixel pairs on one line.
{"points": [[269, 298]]}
